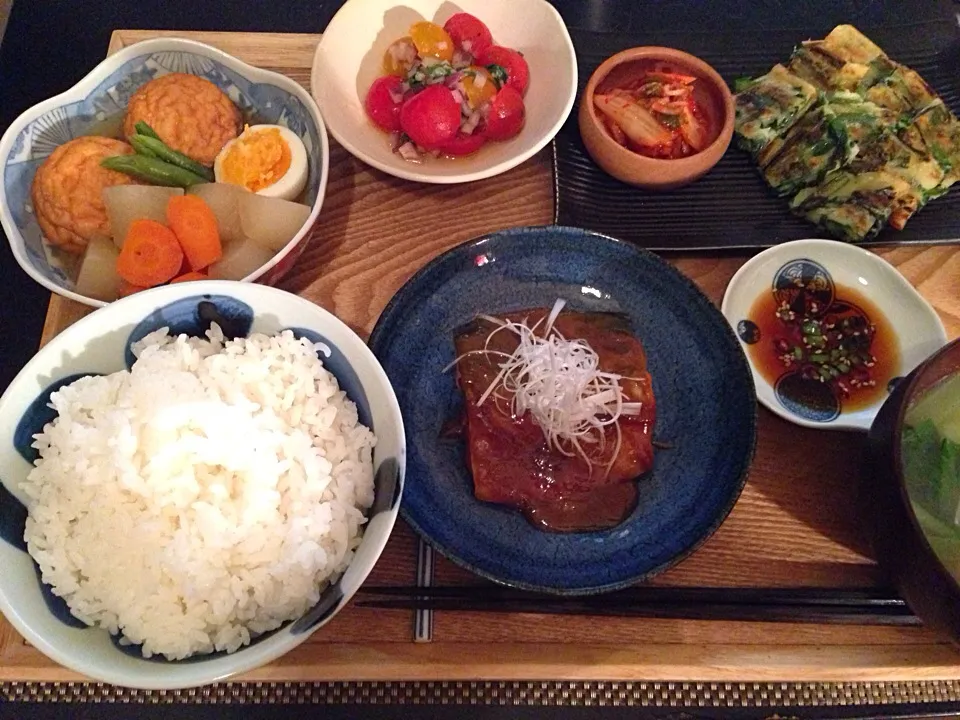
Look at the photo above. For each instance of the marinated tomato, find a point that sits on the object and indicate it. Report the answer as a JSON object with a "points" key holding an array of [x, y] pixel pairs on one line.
{"points": [[431, 117], [506, 115], [479, 86], [431, 40], [468, 33], [383, 102], [448, 90], [400, 57], [462, 144], [513, 64]]}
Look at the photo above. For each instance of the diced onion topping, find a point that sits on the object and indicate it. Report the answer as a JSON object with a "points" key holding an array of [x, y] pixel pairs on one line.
{"points": [[408, 151], [473, 119]]}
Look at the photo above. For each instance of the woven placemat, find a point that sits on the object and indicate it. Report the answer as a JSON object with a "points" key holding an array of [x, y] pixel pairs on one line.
{"points": [[536, 693]]}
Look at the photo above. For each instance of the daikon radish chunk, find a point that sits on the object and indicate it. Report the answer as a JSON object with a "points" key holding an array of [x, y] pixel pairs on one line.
{"points": [[224, 200], [126, 203], [98, 276], [240, 259], [271, 222]]}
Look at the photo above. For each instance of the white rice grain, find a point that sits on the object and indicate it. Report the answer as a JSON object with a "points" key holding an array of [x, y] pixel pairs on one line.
{"points": [[202, 498]]}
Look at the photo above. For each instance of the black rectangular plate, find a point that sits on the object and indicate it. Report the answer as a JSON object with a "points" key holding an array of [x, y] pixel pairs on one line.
{"points": [[731, 207]]}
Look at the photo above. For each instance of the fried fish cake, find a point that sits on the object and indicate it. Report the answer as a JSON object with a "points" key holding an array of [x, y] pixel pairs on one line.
{"points": [[67, 191], [189, 114]]}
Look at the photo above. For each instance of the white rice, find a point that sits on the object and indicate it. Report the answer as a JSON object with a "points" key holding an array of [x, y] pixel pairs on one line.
{"points": [[202, 498]]}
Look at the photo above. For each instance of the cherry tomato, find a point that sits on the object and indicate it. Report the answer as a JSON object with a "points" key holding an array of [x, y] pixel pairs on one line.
{"points": [[463, 144], [399, 57], [431, 117], [468, 33], [479, 87], [380, 105], [506, 115], [431, 40], [518, 73]]}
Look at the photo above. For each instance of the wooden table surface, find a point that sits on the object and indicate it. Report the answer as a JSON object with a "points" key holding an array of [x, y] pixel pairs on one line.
{"points": [[796, 522]]}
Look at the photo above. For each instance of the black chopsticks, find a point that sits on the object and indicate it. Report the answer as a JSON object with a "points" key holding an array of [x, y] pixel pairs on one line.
{"points": [[796, 605]]}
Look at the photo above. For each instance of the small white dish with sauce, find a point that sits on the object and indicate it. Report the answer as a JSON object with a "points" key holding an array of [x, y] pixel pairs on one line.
{"points": [[855, 326]]}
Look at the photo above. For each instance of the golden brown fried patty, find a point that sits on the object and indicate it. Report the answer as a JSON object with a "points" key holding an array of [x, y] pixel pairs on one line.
{"points": [[189, 114], [67, 191]]}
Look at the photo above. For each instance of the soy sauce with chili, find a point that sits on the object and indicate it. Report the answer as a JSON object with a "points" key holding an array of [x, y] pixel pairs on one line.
{"points": [[849, 346]]}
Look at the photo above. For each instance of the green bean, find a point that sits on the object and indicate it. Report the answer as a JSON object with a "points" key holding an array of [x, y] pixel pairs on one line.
{"points": [[152, 170], [168, 154], [143, 129], [137, 142]]}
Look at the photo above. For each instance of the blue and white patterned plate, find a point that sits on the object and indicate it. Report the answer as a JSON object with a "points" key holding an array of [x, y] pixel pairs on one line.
{"points": [[99, 344], [706, 408], [821, 270], [96, 105]]}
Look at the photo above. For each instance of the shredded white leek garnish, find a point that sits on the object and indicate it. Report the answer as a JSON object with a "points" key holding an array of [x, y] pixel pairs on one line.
{"points": [[559, 382]]}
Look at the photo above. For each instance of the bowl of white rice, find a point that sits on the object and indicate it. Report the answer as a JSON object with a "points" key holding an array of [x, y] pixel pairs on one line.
{"points": [[194, 479]]}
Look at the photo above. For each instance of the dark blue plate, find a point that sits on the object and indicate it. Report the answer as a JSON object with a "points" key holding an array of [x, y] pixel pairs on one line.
{"points": [[706, 406]]}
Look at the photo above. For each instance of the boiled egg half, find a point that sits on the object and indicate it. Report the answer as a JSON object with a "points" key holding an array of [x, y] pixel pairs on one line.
{"points": [[269, 160]]}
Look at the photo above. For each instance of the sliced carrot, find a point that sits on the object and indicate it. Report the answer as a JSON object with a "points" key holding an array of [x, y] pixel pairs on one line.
{"points": [[126, 288], [195, 226], [188, 276], [151, 254]]}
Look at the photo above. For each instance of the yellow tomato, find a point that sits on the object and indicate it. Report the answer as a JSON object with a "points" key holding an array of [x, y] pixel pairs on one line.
{"points": [[431, 40], [479, 86], [399, 57]]}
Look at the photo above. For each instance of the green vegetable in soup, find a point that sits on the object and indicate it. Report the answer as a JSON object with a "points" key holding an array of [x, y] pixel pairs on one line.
{"points": [[930, 452]]}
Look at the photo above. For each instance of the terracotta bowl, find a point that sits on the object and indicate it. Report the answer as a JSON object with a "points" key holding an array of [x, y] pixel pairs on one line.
{"points": [[712, 94], [898, 541]]}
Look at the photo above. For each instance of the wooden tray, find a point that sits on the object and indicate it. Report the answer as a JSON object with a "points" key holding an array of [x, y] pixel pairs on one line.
{"points": [[795, 524]]}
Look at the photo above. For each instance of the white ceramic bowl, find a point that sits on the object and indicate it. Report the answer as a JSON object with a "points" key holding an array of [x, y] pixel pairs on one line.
{"points": [[97, 344], [349, 57], [916, 325], [101, 99]]}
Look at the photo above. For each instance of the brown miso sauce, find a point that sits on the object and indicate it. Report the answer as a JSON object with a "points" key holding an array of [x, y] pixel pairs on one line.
{"points": [[515, 466], [884, 346], [602, 508]]}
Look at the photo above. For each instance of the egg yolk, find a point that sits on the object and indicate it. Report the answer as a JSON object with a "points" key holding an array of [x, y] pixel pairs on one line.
{"points": [[257, 159]]}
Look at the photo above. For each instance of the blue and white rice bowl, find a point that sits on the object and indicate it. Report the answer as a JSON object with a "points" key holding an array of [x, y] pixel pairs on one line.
{"points": [[100, 344]]}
